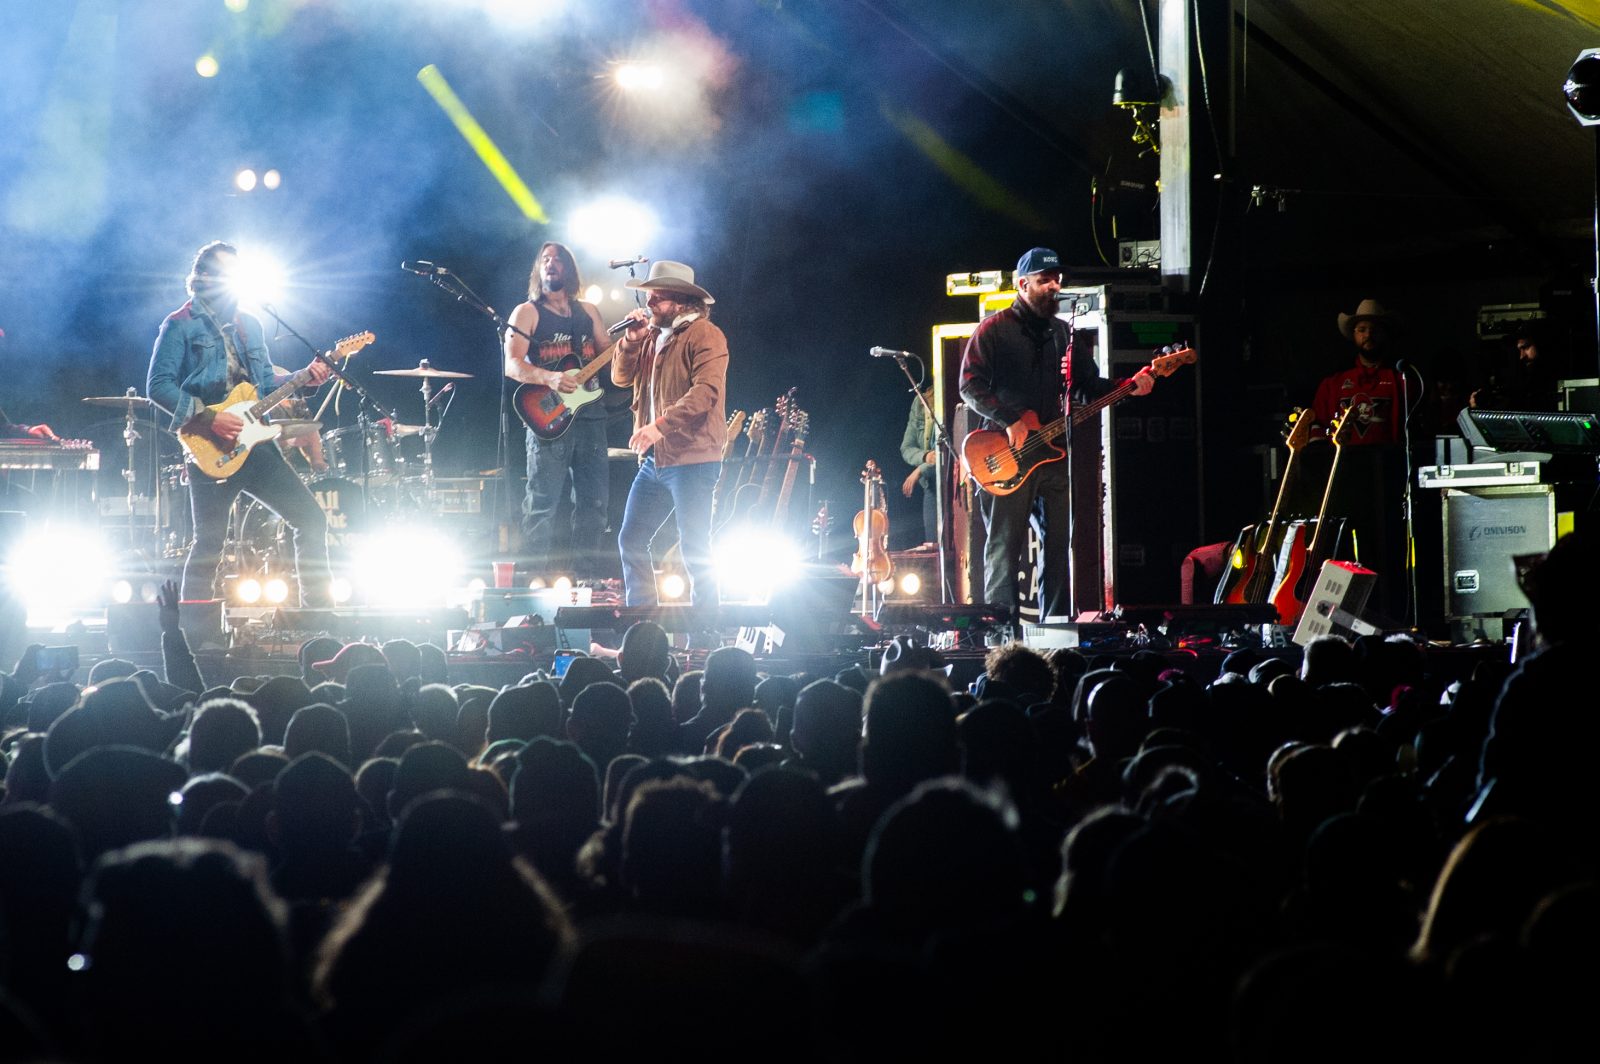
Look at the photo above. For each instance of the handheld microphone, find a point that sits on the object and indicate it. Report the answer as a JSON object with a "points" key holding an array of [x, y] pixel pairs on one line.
{"points": [[884, 352], [624, 325], [617, 264], [423, 268]]}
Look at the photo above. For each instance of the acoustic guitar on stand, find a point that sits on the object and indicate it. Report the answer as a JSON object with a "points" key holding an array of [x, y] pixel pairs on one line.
{"points": [[1252, 561], [217, 459], [1001, 469]]}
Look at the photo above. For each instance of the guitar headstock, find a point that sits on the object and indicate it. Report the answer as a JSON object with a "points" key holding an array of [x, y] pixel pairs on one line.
{"points": [[351, 344], [1166, 363], [800, 422], [1342, 428], [735, 424], [758, 424], [1297, 432]]}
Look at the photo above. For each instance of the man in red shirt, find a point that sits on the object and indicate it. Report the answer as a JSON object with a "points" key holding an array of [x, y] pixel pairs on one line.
{"points": [[1370, 389]]}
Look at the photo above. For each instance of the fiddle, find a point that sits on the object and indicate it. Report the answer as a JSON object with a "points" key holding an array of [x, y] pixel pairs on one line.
{"points": [[872, 559]]}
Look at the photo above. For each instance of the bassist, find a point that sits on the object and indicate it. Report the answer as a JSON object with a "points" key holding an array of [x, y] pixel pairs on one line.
{"points": [[1012, 376], [204, 348], [561, 325]]}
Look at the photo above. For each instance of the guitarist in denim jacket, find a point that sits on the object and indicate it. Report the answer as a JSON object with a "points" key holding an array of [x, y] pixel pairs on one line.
{"points": [[205, 348], [1011, 375]]}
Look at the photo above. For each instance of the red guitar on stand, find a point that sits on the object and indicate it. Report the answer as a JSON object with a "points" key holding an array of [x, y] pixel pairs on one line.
{"points": [[1299, 563], [1252, 562], [1000, 469]]}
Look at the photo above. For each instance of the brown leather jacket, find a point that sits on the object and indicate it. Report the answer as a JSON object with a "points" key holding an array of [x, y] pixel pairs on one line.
{"points": [[690, 384]]}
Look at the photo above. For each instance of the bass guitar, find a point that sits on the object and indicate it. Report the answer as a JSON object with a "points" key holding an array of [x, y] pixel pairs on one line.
{"points": [[1251, 564], [1298, 562], [217, 459], [547, 411], [1000, 469]]}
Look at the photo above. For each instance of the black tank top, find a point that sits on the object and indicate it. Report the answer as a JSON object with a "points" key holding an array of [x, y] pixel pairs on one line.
{"points": [[556, 337]]}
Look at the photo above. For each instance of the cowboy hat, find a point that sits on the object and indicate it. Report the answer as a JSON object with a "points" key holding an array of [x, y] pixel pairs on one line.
{"points": [[669, 276], [1367, 310]]}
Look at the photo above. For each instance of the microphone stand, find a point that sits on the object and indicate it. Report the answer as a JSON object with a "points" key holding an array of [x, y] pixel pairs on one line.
{"points": [[1405, 369], [461, 292], [946, 447], [1071, 553]]}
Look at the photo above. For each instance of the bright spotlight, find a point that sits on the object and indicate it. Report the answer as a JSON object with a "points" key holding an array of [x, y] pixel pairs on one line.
{"points": [[536, 584], [236, 6], [593, 294], [616, 294], [638, 77], [248, 591], [245, 179], [257, 279], [121, 592], [562, 584], [271, 179], [752, 563], [612, 225], [339, 590], [476, 587], [56, 570], [910, 584], [275, 590], [673, 586], [206, 66], [392, 571]]}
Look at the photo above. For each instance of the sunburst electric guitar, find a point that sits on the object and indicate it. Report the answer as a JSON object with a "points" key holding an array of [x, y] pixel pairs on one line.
{"points": [[1001, 469], [217, 459]]}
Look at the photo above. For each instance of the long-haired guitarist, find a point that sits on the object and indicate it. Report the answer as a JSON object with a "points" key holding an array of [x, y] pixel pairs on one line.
{"points": [[563, 328], [204, 349], [1012, 376]]}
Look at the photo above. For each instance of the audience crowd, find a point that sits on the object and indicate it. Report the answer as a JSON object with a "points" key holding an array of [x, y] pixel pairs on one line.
{"points": [[1342, 857]]}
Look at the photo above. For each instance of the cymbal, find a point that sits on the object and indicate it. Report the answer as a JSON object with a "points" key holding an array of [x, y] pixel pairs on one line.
{"points": [[424, 369], [119, 400]]}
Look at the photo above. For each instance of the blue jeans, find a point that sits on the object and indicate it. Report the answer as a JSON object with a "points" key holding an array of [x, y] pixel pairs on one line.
{"points": [[582, 448], [686, 491]]}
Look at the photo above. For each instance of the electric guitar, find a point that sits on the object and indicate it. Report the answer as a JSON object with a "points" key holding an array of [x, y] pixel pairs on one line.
{"points": [[1000, 469], [547, 411], [1250, 572], [1297, 562], [217, 459]]}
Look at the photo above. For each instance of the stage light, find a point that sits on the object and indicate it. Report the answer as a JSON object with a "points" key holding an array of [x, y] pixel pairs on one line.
{"points": [[638, 77], [257, 278], [673, 586], [245, 179], [562, 584], [612, 225], [752, 563], [481, 143], [1582, 87], [476, 587], [408, 566], [594, 294], [206, 66], [275, 590], [248, 591], [236, 6], [271, 180], [57, 570], [910, 584], [339, 590], [121, 592], [536, 583]]}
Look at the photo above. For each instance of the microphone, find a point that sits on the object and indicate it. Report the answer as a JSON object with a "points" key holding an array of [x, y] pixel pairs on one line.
{"points": [[423, 268], [442, 392], [884, 352], [625, 324], [617, 264]]}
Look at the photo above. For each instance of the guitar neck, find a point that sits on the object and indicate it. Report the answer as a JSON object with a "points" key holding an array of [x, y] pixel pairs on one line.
{"points": [[1085, 411], [1327, 493], [280, 393], [595, 365]]}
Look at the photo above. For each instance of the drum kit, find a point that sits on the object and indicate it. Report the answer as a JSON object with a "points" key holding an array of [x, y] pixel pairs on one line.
{"points": [[357, 473]]}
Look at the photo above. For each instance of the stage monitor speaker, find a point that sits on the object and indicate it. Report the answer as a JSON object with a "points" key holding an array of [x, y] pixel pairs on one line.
{"points": [[1340, 594], [135, 627]]}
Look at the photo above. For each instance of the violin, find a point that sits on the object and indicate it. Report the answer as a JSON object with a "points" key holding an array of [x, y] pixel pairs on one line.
{"points": [[872, 530]]}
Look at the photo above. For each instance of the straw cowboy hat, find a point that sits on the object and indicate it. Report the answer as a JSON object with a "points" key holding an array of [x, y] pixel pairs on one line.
{"points": [[669, 276], [1368, 310]]}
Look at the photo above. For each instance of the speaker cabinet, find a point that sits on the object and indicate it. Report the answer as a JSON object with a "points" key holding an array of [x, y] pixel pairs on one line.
{"points": [[1484, 529]]}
